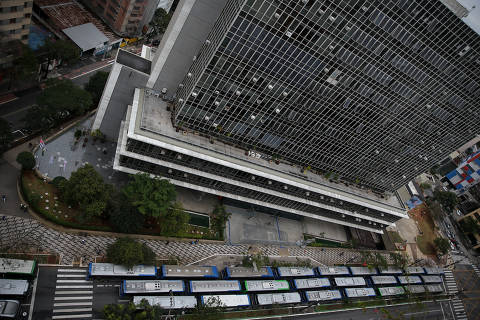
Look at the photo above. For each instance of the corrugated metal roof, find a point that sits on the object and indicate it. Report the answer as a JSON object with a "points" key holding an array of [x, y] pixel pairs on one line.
{"points": [[86, 36]]}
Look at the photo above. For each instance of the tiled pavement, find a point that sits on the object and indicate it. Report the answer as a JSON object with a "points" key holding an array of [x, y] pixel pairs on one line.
{"points": [[21, 234]]}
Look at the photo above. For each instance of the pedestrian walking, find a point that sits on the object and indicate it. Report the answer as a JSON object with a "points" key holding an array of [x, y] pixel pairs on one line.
{"points": [[167, 243], [4, 198], [25, 208]]}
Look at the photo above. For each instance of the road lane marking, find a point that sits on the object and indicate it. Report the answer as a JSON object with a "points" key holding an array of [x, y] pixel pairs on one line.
{"points": [[72, 270], [90, 71], [34, 292], [74, 287], [73, 298], [74, 281], [73, 304], [71, 275], [72, 316], [73, 310], [73, 292]]}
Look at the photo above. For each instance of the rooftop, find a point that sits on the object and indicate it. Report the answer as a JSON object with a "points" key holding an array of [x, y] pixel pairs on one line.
{"points": [[86, 36], [152, 120], [134, 61], [64, 14]]}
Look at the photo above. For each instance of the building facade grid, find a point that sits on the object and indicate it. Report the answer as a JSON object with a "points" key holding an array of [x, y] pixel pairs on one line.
{"points": [[353, 87]]}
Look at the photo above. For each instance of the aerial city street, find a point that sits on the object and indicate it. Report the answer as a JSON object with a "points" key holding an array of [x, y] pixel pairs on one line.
{"points": [[239, 159]]}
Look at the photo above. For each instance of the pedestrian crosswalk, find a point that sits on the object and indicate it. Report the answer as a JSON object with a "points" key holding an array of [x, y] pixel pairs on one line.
{"points": [[73, 297], [458, 309], [477, 271], [450, 283]]}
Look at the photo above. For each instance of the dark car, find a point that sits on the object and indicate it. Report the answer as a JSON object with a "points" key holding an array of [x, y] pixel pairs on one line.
{"points": [[155, 43], [9, 309]]}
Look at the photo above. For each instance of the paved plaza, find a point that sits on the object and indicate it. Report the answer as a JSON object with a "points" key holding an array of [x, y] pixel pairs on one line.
{"points": [[20, 233], [63, 156]]}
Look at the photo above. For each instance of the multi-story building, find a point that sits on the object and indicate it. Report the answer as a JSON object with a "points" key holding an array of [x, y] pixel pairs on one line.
{"points": [[309, 108], [15, 18], [126, 17]]}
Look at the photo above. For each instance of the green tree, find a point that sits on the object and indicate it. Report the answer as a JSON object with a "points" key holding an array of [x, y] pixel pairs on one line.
{"points": [[425, 185], [26, 66], [59, 181], [399, 260], [128, 252], [209, 310], [175, 220], [130, 312], [447, 199], [442, 245], [63, 50], [159, 23], [6, 136], [85, 189], [152, 196], [470, 225], [219, 218], [124, 217], [26, 159], [58, 102], [95, 86]]}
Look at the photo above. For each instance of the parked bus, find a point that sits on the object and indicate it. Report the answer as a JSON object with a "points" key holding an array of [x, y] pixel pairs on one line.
{"points": [[13, 288], [311, 283], [323, 295], [168, 302], [207, 286], [266, 285], [149, 287], [284, 272], [109, 270], [265, 299], [228, 300], [18, 269], [189, 272], [333, 271], [247, 273]]}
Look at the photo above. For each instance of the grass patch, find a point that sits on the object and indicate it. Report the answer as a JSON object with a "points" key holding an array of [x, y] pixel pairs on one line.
{"points": [[44, 199], [425, 223]]}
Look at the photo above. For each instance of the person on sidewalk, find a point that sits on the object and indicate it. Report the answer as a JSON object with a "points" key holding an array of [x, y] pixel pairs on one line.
{"points": [[4, 198]]}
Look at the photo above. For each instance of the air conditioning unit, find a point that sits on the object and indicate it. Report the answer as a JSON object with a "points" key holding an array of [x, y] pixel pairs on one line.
{"points": [[276, 15], [164, 90], [270, 87], [194, 94], [189, 75], [217, 103]]}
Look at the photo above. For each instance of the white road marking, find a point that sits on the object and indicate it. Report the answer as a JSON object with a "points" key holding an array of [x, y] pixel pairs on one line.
{"points": [[73, 304], [72, 270], [90, 71], [76, 281], [73, 310], [74, 287], [72, 316], [73, 292], [73, 298], [70, 276]]}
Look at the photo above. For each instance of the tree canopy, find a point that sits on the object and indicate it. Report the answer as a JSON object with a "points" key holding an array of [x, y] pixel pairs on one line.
{"points": [[124, 217], [442, 245], [26, 66], [130, 312], [64, 50], [26, 159], [151, 196], [96, 84], [159, 23], [447, 199], [128, 252], [6, 136], [219, 218], [85, 189], [470, 225], [175, 220], [58, 102]]}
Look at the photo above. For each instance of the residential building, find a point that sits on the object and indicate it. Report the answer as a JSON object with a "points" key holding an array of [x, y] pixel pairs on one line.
{"points": [[319, 109], [15, 16], [128, 18], [466, 175]]}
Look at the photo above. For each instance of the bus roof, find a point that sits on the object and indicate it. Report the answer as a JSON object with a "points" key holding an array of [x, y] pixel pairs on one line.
{"points": [[17, 266], [13, 287]]}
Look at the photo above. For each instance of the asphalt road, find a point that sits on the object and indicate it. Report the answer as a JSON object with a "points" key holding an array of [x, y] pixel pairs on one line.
{"points": [[16, 110]]}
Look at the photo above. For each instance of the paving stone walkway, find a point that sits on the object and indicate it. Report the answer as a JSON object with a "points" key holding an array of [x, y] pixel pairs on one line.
{"points": [[19, 233]]}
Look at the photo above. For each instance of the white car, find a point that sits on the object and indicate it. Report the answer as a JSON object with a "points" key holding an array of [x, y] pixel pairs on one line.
{"points": [[451, 244], [459, 212]]}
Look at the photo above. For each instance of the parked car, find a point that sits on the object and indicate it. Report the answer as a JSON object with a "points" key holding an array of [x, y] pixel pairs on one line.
{"points": [[458, 212], [9, 309]]}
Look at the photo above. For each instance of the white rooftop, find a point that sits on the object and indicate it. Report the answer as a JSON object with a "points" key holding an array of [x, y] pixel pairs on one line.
{"points": [[86, 36]]}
